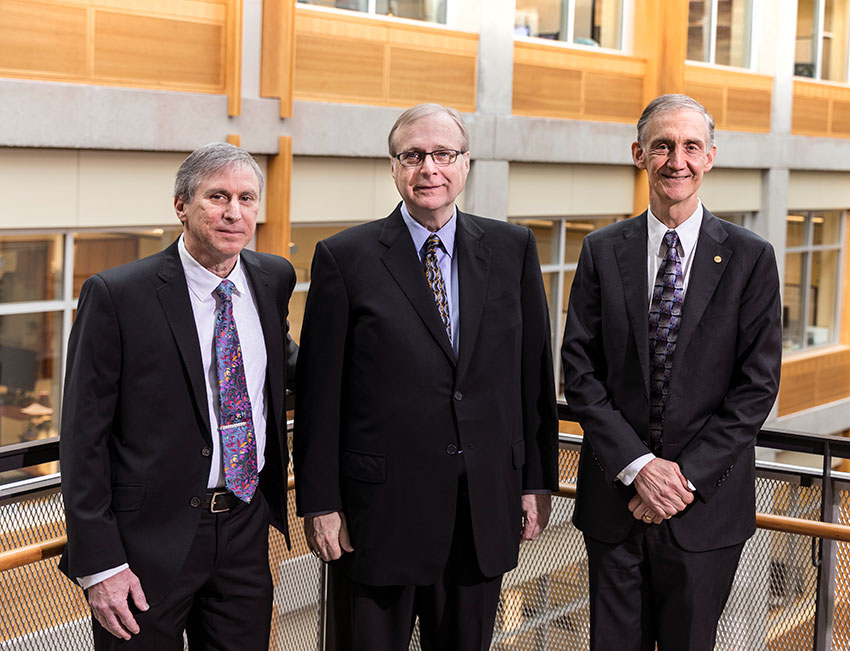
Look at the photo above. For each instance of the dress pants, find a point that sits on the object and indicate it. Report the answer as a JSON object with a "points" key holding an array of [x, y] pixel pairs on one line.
{"points": [[647, 589], [222, 596], [457, 613]]}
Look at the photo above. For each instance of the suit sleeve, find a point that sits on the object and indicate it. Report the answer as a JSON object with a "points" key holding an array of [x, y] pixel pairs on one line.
{"points": [[290, 348], [612, 440], [88, 411], [735, 424], [319, 399], [540, 417]]}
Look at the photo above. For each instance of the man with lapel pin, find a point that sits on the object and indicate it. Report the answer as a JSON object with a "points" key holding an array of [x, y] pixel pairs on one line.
{"points": [[173, 444], [426, 433], [671, 352]]}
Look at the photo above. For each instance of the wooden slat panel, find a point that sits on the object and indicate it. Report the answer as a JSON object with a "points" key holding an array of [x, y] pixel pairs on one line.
{"points": [[810, 115], [158, 51], [812, 380], [747, 109], [613, 96], [339, 69], [206, 10], [446, 79], [44, 38], [711, 97], [841, 119], [547, 92]]}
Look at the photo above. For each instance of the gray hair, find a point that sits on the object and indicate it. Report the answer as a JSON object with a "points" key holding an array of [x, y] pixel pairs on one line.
{"points": [[208, 160], [668, 103], [423, 110]]}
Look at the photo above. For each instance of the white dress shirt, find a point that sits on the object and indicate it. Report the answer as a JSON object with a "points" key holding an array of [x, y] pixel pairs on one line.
{"points": [[202, 284], [688, 232]]}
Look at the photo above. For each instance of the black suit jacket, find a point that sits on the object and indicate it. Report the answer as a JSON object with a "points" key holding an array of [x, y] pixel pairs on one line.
{"points": [[135, 435], [725, 377], [383, 403]]}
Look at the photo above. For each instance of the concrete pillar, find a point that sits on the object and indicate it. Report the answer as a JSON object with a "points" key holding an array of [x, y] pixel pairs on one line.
{"points": [[486, 191]]}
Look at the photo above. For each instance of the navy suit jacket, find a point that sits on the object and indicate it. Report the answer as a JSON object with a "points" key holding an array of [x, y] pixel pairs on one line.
{"points": [[725, 376]]}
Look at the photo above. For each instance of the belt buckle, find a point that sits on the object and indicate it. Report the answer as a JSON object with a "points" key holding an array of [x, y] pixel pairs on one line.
{"points": [[215, 496]]}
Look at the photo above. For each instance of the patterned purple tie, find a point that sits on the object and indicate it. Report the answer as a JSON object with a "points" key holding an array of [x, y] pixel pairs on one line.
{"points": [[665, 315], [235, 421], [435, 280]]}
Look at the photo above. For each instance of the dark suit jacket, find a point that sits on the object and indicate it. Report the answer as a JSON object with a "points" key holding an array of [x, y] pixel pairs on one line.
{"points": [[382, 401], [724, 381], [135, 422]]}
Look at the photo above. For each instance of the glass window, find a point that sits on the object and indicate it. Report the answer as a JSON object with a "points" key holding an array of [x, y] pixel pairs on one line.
{"points": [[720, 31], [433, 11], [30, 268], [596, 23], [811, 285], [821, 47], [558, 246]]}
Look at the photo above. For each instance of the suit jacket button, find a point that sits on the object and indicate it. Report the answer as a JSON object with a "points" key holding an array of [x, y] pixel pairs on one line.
{"points": [[458, 396], [451, 448], [206, 451], [195, 502]]}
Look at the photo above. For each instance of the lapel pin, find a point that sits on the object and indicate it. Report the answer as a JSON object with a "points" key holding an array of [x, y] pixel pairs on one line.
{"points": [[718, 259]]}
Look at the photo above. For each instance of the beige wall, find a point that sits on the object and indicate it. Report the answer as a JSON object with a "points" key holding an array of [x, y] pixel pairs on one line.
{"points": [[819, 191], [64, 188], [731, 190]]}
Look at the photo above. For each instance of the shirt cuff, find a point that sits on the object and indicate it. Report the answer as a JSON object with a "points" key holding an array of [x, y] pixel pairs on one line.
{"points": [[627, 475], [93, 579]]}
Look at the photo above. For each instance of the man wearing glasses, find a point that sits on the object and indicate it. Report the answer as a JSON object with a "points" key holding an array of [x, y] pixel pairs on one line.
{"points": [[426, 433]]}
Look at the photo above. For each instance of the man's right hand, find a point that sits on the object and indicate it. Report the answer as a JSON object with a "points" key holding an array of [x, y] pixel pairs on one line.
{"points": [[327, 535], [663, 488], [109, 603]]}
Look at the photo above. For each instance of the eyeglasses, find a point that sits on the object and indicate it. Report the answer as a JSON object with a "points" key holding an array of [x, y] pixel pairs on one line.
{"points": [[441, 157]]}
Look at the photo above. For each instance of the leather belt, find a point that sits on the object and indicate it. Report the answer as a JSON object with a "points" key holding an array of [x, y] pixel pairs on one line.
{"points": [[219, 501]]}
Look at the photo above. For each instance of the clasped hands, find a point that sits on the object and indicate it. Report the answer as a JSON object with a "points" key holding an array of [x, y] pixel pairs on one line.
{"points": [[662, 492]]}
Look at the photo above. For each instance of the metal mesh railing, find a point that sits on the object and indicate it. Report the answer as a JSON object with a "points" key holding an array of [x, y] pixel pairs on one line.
{"points": [[544, 601]]}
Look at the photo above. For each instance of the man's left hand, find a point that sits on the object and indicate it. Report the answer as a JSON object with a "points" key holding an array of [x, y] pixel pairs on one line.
{"points": [[536, 509]]}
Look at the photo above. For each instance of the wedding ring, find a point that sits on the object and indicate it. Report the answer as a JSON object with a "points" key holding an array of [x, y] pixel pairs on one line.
{"points": [[316, 554], [647, 517]]}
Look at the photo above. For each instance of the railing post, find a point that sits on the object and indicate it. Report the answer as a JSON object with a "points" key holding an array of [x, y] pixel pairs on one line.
{"points": [[825, 605]]}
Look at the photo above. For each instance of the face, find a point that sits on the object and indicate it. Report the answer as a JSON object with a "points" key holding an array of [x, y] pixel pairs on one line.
{"points": [[220, 220], [429, 191], [677, 154]]}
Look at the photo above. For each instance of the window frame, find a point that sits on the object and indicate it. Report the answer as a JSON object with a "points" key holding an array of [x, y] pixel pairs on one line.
{"points": [[372, 12], [712, 39], [818, 21], [568, 23]]}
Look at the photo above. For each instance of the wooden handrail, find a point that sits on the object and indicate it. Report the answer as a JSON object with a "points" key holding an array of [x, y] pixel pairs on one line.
{"points": [[54, 547]]}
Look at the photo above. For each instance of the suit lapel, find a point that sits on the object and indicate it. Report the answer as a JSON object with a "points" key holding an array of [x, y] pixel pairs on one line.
{"points": [[174, 298], [473, 266], [631, 259], [402, 261], [710, 261], [272, 328]]}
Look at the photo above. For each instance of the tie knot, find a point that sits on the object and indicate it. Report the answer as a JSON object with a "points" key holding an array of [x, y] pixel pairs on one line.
{"points": [[432, 244], [671, 239], [225, 290]]}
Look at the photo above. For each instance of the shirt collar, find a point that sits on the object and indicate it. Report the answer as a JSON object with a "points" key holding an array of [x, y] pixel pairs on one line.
{"points": [[419, 233], [687, 231], [201, 281]]}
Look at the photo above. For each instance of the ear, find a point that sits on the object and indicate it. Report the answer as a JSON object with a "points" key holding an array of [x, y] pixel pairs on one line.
{"points": [[637, 156], [466, 162], [180, 209], [709, 159]]}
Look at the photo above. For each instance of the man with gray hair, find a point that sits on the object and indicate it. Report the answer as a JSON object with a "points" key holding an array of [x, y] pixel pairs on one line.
{"points": [[672, 350], [173, 440], [426, 435]]}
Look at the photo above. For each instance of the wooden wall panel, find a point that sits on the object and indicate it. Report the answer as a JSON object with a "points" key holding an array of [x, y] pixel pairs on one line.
{"points": [[277, 62], [341, 58], [158, 51], [820, 109], [814, 379], [561, 82], [739, 101], [43, 38], [274, 235], [166, 44]]}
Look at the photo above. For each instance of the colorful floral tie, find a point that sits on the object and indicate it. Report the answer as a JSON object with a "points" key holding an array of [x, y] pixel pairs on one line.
{"points": [[435, 280], [235, 421], [665, 315]]}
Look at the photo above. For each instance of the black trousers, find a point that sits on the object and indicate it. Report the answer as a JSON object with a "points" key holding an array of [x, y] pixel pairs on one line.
{"points": [[647, 589], [457, 613], [222, 597]]}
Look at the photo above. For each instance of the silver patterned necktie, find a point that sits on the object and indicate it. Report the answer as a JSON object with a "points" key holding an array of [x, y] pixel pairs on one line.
{"points": [[435, 280], [665, 316]]}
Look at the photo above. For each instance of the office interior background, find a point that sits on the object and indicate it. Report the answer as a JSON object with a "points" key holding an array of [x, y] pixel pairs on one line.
{"points": [[100, 100]]}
